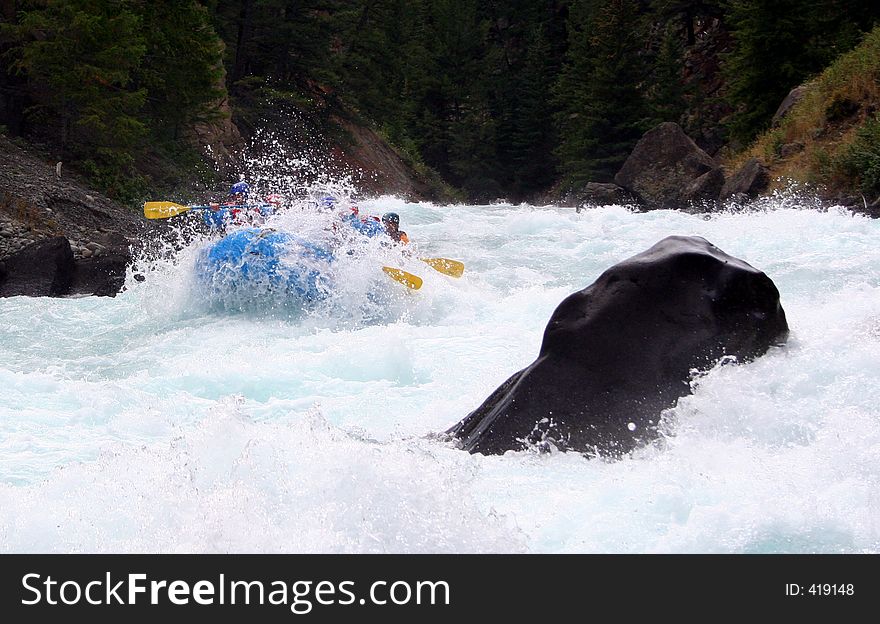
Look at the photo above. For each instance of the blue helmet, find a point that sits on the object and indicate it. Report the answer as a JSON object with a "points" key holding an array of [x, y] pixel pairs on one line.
{"points": [[239, 187], [391, 217], [328, 201]]}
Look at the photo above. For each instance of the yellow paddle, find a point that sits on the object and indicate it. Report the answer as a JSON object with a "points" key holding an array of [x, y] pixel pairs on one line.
{"points": [[407, 279], [446, 266], [165, 209]]}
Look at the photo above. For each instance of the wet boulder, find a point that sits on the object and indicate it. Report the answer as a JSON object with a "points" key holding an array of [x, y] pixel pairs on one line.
{"points": [[103, 275], [666, 169], [41, 269], [748, 182], [619, 352], [602, 194], [48, 268]]}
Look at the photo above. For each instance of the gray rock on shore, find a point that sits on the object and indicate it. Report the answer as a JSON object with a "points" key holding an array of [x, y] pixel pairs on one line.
{"points": [[748, 182], [666, 169]]}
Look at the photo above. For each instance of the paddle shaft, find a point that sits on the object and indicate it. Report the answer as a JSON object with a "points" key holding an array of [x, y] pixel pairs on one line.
{"points": [[166, 209]]}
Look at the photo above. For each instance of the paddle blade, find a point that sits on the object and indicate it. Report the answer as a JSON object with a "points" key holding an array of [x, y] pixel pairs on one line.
{"points": [[407, 279], [163, 209], [446, 266]]}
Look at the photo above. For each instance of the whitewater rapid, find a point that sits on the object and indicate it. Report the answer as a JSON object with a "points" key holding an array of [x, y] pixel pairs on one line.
{"points": [[152, 422]]}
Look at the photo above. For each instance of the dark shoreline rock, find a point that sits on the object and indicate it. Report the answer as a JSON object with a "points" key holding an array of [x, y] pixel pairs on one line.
{"points": [[666, 169], [601, 194], [619, 352], [39, 207], [47, 268], [42, 269], [749, 181]]}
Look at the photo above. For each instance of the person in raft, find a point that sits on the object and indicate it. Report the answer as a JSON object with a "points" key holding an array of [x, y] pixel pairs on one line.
{"points": [[238, 194], [237, 208], [391, 221]]}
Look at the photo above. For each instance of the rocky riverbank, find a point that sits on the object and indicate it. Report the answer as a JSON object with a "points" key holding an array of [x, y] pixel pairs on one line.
{"points": [[667, 169], [39, 202], [59, 238], [39, 199]]}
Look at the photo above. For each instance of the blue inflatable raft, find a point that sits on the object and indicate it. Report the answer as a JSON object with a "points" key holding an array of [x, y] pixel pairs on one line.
{"points": [[253, 263]]}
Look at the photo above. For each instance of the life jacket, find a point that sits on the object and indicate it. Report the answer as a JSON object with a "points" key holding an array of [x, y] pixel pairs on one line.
{"points": [[399, 237]]}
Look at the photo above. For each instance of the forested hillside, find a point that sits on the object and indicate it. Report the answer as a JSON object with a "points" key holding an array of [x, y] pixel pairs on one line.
{"points": [[501, 98]]}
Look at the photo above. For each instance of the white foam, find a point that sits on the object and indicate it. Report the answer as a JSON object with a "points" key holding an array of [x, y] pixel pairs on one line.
{"points": [[149, 422]]}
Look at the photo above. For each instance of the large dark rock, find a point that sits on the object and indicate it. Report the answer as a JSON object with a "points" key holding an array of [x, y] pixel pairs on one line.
{"points": [[666, 169], [602, 194], [41, 269], [620, 351], [103, 276], [707, 187], [47, 268], [749, 181]]}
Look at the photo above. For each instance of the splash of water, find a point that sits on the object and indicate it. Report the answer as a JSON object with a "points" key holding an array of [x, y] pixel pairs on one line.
{"points": [[155, 422]]}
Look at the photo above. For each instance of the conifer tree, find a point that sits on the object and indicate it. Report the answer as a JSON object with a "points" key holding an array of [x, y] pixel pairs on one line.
{"points": [[523, 57], [602, 111], [80, 58], [666, 93], [376, 60], [285, 43], [451, 117], [182, 69], [531, 143]]}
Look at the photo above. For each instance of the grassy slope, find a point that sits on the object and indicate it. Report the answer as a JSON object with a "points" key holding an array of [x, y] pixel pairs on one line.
{"points": [[837, 105]]}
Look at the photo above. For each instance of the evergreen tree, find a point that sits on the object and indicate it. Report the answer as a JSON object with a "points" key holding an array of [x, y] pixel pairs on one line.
{"points": [[79, 58], [284, 42], [471, 129], [602, 111], [451, 119], [666, 94], [533, 139], [182, 69], [13, 87], [375, 48], [571, 90], [524, 55]]}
